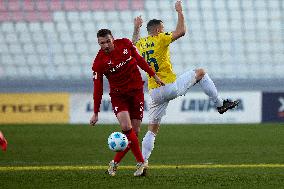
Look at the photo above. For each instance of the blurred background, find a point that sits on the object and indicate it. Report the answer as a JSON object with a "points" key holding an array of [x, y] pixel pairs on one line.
{"points": [[239, 42], [49, 45]]}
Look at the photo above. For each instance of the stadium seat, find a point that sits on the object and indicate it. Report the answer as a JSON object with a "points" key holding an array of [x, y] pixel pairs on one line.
{"points": [[44, 16], [44, 59], [79, 37], [63, 71], [42, 49], [151, 5], [38, 37], [14, 5], [51, 38], [81, 48], [99, 16], [68, 48], [49, 72], [87, 70], [8, 59], [65, 38], [29, 48], [15, 48], [164, 6], [19, 59], [112, 16], [7, 27], [153, 14], [4, 16], [11, 38], [275, 5], [75, 72], [55, 5], [31, 16], [86, 59], [83, 5], [93, 48], [206, 5], [138, 4], [48, 27], [89, 27], [23, 71], [72, 60], [21, 27], [11, 72], [62, 27], [69, 5], [91, 37], [58, 59], [85, 16], [73, 16], [42, 5], [16, 16], [76, 27], [36, 71], [59, 16], [109, 5], [122, 5], [35, 27], [126, 16], [32, 59], [2, 6], [4, 48], [96, 5]]}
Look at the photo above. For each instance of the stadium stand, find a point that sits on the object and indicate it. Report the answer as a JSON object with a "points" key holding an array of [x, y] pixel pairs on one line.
{"points": [[56, 39]]}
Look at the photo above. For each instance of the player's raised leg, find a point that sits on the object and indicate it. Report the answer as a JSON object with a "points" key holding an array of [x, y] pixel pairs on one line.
{"points": [[210, 89]]}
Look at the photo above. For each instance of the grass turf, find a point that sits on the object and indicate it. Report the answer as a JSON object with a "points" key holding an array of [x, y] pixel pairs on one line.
{"points": [[176, 145]]}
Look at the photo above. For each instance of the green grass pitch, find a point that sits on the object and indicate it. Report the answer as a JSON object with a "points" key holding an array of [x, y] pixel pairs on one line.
{"points": [[185, 156]]}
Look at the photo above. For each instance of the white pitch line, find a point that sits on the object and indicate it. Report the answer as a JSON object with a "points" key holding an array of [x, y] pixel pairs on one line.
{"points": [[98, 167]]}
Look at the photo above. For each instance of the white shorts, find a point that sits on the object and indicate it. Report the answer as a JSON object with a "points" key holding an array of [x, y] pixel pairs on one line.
{"points": [[161, 96]]}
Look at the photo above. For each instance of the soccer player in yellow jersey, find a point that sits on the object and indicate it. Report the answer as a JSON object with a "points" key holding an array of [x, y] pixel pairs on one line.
{"points": [[155, 49]]}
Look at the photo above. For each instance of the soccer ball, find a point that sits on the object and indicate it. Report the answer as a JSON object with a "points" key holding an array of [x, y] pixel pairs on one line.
{"points": [[117, 141]]}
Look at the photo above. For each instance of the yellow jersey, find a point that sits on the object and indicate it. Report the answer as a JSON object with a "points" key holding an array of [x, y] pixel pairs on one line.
{"points": [[155, 50]]}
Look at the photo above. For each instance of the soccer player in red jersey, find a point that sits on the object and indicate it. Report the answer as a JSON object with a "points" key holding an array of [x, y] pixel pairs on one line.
{"points": [[3, 142], [118, 60]]}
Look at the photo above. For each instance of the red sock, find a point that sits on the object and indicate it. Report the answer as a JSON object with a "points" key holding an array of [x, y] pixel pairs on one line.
{"points": [[134, 145], [119, 155]]}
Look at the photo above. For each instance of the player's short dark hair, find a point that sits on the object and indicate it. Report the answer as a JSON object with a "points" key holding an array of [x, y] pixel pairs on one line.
{"points": [[103, 33], [152, 24]]}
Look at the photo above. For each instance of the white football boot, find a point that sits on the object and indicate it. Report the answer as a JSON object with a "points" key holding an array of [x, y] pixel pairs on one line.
{"points": [[141, 169], [112, 168]]}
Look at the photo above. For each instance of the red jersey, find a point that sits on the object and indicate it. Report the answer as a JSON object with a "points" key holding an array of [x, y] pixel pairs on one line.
{"points": [[120, 68]]}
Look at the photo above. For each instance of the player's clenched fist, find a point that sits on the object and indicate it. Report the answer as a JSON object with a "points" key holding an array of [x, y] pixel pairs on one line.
{"points": [[138, 21], [178, 6]]}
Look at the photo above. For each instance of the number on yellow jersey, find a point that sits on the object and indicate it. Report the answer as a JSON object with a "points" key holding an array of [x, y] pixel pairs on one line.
{"points": [[147, 56], [155, 50]]}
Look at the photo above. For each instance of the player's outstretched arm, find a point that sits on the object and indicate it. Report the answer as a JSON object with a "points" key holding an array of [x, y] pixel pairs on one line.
{"points": [[97, 94], [180, 28], [138, 21], [158, 80]]}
